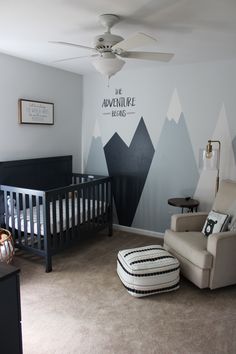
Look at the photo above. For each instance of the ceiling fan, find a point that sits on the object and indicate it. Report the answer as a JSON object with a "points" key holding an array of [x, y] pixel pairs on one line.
{"points": [[110, 48]]}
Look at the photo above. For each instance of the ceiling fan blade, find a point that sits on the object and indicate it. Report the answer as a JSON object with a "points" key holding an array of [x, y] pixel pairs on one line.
{"points": [[73, 58], [72, 45], [148, 56], [138, 40]]}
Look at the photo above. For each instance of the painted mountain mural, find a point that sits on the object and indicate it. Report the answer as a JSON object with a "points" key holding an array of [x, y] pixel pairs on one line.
{"points": [[205, 191], [173, 173], [234, 147], [129, 166], [96, 162]]}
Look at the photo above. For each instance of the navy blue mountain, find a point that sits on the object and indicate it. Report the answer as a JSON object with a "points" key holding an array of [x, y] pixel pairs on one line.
{"points": [[173, 173], [129, 168]]}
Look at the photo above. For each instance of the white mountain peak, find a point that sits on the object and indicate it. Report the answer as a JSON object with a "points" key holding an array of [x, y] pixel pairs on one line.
{"points": [[96, 131], [222, 133], [175, 109], [206, 184]]}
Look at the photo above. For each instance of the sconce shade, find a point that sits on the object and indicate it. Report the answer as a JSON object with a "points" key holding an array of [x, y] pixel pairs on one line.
{"points": [[209, 161], [108, 64]]}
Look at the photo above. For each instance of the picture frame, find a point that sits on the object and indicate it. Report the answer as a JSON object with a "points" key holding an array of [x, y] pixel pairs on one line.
{"points": [[35, 112]]}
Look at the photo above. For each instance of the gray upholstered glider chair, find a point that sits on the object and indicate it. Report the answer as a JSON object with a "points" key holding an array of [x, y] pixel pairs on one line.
{"points": [[209, 262]]}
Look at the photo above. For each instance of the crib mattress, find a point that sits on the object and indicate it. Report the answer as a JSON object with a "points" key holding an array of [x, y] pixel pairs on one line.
{"points": [[148, 270], [84, 214]]}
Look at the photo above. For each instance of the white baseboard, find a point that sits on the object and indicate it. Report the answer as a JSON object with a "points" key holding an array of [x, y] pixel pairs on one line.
{"points": [[138, 231]]}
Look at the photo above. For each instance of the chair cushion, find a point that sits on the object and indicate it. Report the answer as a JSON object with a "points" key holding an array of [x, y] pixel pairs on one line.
{"points": [[190, 245], [148, 270]]}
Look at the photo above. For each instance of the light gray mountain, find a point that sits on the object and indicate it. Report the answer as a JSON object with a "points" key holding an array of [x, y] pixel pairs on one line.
{"points": [[96, 163], [173, 173], [234, 147]]}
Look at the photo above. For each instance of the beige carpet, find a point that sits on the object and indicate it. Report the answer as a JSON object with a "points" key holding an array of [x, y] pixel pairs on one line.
{"points": [[82, 307]]}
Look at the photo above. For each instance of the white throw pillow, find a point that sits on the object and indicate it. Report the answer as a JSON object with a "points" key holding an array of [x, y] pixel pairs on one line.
{"points": [[215, 222]]}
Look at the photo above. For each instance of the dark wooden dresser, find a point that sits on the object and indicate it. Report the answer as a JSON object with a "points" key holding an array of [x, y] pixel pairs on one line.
{"points": [[10, 310]]}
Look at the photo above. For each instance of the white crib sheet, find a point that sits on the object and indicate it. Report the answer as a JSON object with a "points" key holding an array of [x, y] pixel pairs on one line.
{"points": [[83, 215]]}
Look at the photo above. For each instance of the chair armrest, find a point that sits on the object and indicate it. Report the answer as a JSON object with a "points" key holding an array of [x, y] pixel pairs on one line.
{"points": [[215, 241], [188, 221], [222, 246]]}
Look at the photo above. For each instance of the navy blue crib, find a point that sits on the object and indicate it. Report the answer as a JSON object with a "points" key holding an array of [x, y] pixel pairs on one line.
{"points": [[47, 207]]}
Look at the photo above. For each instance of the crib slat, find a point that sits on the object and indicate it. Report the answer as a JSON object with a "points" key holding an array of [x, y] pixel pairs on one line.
{"points": [[25, 219], [31, 220], [88, 194], [84, 207], [93, 205], [78, 210], [67, 218], [12, 213], [6, 209], [61, 220], [38, 223], [54, 222], [72, 201], [18, 217], [100, 203]]}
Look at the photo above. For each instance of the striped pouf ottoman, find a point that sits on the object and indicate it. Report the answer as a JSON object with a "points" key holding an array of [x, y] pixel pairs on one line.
{"points": [[148, 270]]}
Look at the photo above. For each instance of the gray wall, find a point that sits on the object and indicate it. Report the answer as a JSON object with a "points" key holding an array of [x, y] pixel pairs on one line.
{"points": [[24, 79], [182, 106]]}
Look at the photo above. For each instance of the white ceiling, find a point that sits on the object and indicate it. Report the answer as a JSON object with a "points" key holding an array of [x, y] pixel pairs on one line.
{"points": [[195, 30]]}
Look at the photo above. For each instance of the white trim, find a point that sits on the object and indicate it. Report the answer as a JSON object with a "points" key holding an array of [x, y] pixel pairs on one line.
{"points": [[138, 231]]}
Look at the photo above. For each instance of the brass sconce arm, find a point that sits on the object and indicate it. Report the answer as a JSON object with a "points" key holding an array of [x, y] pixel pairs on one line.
{"points": [[209, 155]]}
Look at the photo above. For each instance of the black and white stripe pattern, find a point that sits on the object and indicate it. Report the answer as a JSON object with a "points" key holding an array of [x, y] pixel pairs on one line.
{"points": [[142, 250], [148, 270], [150, 259], [139, 293]]}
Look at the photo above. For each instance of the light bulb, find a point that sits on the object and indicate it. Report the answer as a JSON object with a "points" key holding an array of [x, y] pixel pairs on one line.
{"points": [[209, 150]]}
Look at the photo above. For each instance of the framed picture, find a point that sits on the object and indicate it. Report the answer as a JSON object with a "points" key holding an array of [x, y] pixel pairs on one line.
{"points": [[36, 112]]}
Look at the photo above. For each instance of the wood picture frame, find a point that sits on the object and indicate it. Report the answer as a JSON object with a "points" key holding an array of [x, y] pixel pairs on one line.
{"points": [[35, 112]]}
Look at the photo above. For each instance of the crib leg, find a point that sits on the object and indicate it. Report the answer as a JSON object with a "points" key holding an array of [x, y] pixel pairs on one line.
{"points": [[48, 263], [110, 224], [110, 229]]}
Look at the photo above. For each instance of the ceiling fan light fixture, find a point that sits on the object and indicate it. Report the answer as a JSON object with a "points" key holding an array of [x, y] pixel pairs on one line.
{"points": [[108, 65], [109, 49]]}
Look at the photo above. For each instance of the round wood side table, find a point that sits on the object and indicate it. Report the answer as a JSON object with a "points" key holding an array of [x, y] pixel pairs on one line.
{"points": [[184, 203]]}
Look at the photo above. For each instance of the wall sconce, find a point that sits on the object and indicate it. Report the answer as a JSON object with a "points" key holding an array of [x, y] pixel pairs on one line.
{"points": [[210, 159]]}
